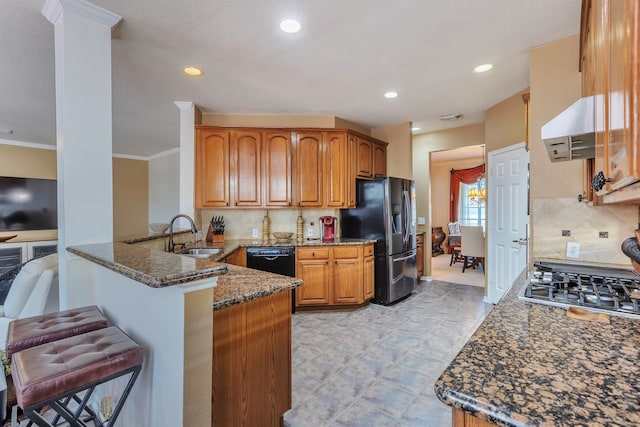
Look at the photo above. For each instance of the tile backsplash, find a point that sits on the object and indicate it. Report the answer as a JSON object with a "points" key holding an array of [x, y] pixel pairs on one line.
{"points": [[240, 222], [584, 224]]}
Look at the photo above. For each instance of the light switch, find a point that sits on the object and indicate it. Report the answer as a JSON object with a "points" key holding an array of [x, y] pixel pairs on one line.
{"points": [[421, 220], [573, 250]]}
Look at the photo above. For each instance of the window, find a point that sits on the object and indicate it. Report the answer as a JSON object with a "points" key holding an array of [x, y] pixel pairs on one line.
{"points": [[471, 210]]}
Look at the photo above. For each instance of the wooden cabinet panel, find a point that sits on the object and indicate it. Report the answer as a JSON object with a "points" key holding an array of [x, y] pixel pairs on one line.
{"points": [[368, 274], [622, 156], [309, 169], [352, 155], [316, 276], [335, 169], [364, 165], [464, 419], [420, 254], [379, 160], [246, 168], [212, 168], [237, 257], [277, 168], [252, 365], [347, 281]]}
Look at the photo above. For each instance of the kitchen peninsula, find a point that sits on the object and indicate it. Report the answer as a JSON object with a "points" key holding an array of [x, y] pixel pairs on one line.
{"points": [[165, 302], [530, 364]]}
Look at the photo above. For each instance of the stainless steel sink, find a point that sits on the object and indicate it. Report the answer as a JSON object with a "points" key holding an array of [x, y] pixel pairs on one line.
{"points": [[200, 252]]}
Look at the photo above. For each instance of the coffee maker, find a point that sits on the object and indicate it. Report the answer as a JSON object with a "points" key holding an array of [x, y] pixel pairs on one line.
{"points": [[328, 228]]}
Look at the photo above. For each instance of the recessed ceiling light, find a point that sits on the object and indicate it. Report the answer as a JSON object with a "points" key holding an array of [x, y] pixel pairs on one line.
{"points": [[290, 26], [6, 131], [482, 68], [415, 129], [192, 71], [391, 94]]}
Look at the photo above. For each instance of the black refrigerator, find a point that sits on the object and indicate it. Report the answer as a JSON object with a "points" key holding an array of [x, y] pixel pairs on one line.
{"points": [[385, 211]]}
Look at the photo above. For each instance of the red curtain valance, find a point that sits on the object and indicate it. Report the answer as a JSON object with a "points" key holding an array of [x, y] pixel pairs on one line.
{"points": [[466, 176]]}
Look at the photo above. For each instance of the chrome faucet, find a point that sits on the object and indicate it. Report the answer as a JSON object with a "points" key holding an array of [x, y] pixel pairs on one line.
{"points": [[194, 230]]}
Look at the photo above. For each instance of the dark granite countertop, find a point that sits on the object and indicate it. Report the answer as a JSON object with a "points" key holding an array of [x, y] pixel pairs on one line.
{"points": [[529, 364], [153, 268]]}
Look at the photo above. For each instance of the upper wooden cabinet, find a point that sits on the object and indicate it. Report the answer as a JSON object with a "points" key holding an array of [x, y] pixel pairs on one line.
{"points": [[610, 72], [277, 168], [309, 167], [251, 167], [379, 159], [212, 168]]}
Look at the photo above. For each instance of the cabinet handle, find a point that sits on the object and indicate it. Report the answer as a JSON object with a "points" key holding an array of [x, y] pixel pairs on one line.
{"points": [[598, 181]]}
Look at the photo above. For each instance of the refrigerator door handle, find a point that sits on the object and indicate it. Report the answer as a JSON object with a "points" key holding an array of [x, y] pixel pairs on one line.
{"points": [[413, 253], [405, 222]]}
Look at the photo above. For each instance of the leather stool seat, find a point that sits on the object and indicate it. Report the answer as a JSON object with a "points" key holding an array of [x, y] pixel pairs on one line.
{"points": [[55, 371], [33, 331]]}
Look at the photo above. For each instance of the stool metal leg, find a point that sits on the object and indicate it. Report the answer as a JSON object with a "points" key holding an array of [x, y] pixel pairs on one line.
{"points": [[60, 404]]}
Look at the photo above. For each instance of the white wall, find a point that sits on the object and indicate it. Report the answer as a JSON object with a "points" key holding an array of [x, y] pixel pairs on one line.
{"points": [[164, 186]]}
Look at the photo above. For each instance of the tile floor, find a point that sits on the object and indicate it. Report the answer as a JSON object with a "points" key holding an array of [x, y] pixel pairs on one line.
{"points": [[377, 366]]}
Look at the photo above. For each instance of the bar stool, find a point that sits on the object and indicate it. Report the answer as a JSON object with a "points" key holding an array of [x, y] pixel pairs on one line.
{"points": [[55, 373], [32, 331]]}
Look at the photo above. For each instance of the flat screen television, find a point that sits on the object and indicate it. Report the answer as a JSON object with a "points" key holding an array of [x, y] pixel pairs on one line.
{"points": [[28, 204]]}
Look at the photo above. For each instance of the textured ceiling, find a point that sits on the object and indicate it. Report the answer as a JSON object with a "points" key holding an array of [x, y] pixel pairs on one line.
{"points": [[346, 56]]}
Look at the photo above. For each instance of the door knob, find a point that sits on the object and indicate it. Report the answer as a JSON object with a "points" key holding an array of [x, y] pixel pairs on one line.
{"points": [[521, 241]]}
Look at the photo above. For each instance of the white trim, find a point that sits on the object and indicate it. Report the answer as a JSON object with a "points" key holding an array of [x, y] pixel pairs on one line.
{"points": [[28, 144], [165, 153], [53, 9], [183, 105], [54, 148], [129, 156], [506, 149]]}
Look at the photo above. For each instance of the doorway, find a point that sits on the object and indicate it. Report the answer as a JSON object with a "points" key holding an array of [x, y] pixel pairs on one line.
{"points": [[441, 163]]}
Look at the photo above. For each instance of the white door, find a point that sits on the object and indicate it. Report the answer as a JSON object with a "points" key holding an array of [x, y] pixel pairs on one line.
{"points": [[507, 218]]}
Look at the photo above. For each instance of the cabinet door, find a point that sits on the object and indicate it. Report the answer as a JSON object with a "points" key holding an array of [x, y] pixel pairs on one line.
{"points": [[277, 169], [368, 274], [309, 169], [364, 166], [212, 168], [352, 156], [347, 275], [11, 257], [316, 276], [237, 257], [379, 160], [335, 169], [622, 157], [420, 254], [246, 168]]}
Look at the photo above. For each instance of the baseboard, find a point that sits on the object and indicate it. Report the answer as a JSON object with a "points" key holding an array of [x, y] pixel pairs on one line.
{"points": [[425, 278]]}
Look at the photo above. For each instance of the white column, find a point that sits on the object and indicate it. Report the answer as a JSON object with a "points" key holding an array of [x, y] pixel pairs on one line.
{"points": [[187, 157], [83, 132]]}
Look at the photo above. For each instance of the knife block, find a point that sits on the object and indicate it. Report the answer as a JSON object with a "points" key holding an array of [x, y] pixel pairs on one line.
{"points": [[214, 237]]}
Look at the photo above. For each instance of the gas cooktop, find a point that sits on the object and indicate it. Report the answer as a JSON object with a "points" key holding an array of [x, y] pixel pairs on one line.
{"points": [[599, 289]]}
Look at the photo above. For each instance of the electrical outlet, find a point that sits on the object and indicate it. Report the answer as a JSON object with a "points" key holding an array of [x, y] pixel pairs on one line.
{"points": [[255, 232], [421, 220], [573, 250], [309, 232]]}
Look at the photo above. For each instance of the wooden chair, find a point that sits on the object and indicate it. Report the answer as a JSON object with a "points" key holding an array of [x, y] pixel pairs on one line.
{"points": [[472, 247]]}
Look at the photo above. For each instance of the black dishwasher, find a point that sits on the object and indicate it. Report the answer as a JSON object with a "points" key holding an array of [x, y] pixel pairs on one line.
{"points": [[274, 259]]}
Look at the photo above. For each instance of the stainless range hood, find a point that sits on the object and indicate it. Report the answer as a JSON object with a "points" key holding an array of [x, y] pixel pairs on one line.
{"points": [[571, 134]]}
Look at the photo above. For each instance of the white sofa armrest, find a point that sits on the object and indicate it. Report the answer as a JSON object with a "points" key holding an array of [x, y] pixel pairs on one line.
{"points": [[38, 299]]}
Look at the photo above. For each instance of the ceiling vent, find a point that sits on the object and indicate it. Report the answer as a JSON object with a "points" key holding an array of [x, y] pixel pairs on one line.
{"points": [[451, 117]]}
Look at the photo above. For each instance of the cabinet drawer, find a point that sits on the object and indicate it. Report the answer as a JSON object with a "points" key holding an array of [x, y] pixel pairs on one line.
{"points": [[312, 253], [368, 250], [345, 252]]}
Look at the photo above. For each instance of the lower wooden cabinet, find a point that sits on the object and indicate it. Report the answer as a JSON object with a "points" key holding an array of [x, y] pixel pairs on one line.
{"points": [[463, 419], [334, 276], [237, 257], [252, 362], [420, 254]]}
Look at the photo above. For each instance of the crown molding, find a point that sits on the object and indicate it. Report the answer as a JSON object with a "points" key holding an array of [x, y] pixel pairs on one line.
{"points": [[28, 144], [53, 9], [165, 153]]}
